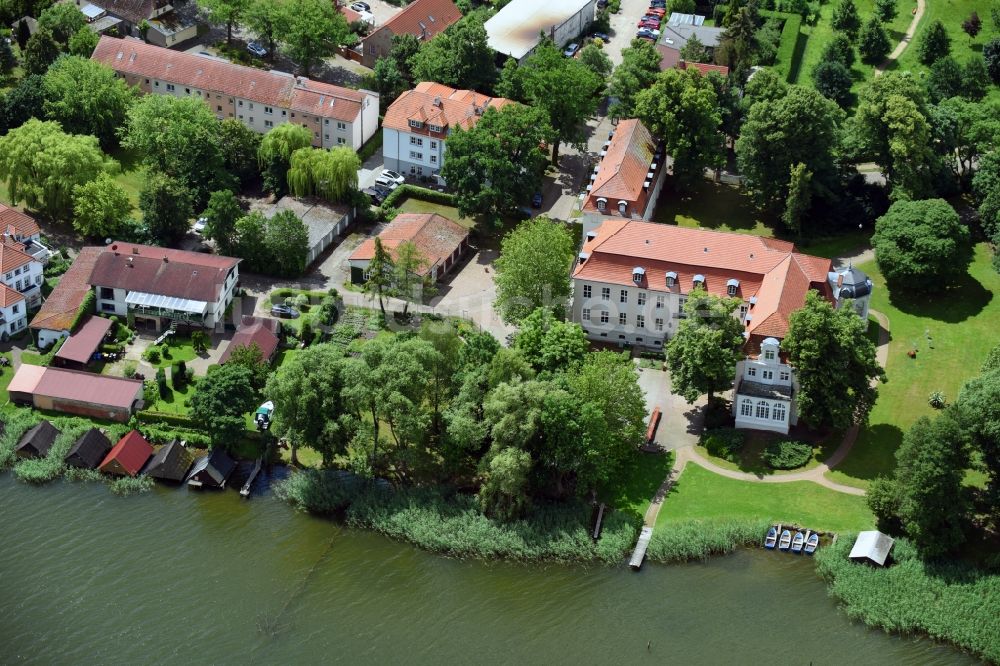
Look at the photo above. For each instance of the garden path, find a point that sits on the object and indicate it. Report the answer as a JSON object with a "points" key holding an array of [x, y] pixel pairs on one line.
{"points": [[905, 41]]}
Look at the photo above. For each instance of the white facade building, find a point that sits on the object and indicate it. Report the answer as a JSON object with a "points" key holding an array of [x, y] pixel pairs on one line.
{"points": [[765, 388]]}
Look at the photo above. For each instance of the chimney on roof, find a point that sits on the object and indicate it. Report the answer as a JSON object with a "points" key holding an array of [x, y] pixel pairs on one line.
{"points": [[165, 260], [135, 250], [437, 101]]}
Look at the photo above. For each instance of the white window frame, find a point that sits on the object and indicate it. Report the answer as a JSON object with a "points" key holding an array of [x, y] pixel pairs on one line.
{"points": [[641, 298], [622, 319], [604, 317], [587, 291], [605, 293], [585, 315], [640, 321]]}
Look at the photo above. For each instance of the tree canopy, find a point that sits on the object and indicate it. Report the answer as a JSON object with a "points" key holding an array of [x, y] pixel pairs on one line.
{"points": [[167, 206], [550, 344], [638, 70], [533, 269], [458, 57], [331, 174], [85, 97], [221, 401], [314, 28], [101, 208], [921, 245]]}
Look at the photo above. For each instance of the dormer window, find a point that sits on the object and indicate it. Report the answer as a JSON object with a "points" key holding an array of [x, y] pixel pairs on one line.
{"points": [[699, 281], [622, 207], [671, 278], [416, 124], [435, 128], [768, 354], [732, 286], [602, 203], [638, 273]]}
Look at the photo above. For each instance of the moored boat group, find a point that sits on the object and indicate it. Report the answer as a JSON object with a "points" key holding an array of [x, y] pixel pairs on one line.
{"points": [[797, 542]]}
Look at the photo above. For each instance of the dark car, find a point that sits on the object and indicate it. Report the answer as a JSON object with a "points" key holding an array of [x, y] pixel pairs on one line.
{"points": [[284, 311], [376, 196], [603, 36], [536, 200]]}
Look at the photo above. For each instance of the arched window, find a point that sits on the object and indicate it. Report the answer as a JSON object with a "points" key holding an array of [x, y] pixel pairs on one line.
{"points": [[779, 412], [746, 407], [763, 410]]}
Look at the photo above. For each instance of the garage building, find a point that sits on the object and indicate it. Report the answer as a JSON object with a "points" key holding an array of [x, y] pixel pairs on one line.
{"points": [[516, 29]]}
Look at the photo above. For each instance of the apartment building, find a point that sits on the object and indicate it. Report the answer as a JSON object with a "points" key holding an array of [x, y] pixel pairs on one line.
{"points": [[628, 179], [259, 99], [424, 19]]}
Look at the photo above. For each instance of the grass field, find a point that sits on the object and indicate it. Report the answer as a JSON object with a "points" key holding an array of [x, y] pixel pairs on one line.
{"points": [[700, 494], [638, 481], [951, 13], [819, 35], [952, 334], [176, 400], [411, 205]]}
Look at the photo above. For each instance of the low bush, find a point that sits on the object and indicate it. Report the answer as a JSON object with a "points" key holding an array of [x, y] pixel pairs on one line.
{"points": [[161, 383], [724, 443], [787, 455], [322, 492], [151, 355], [415, 192], [952, 601], [128, 485], [718, 415], [698, 539], [76, 474], [51, 467], [15, 425]]}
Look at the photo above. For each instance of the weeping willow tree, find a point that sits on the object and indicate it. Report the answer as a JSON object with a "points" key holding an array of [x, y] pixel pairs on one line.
{"points": [[330, 174], [275, 153]]}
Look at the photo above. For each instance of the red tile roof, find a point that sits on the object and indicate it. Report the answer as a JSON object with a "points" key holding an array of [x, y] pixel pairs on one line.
{"points": [[131, 453], [16, 223], [770, 270], [623, 169], [423, 18], [146, 268], [79, 346], [12, 256], [59, 309], [77, 386], [435, 236], [703, 67], [9, 296], [257, 333], [131, 56], [437, 104]]}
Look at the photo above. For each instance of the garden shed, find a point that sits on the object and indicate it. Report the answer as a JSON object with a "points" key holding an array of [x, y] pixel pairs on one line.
{"points": [[37, 441], [89, 450], [77, 351], [170, 463], [128, 456], [212, 471], [872, 546]]}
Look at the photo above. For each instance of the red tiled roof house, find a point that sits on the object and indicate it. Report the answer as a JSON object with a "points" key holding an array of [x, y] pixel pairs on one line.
{"points": [[439, 240], [259, 331], [632, 279], [259, 99], [423, 19], [416, 125], [627, 181], [128, 456]]}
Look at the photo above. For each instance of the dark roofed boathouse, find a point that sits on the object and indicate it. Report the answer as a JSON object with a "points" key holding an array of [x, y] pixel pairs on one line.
{"points": [[170, 463], [37, 441], [212, 471], [89, 450]]}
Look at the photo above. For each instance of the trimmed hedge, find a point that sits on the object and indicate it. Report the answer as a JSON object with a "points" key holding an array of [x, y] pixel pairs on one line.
{"points": [[785, 60], [416, 192], [787, 455], [724, 443]]}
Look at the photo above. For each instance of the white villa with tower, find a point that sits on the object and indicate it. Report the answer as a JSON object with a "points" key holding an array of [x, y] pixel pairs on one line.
{"points": [[632, 278]]}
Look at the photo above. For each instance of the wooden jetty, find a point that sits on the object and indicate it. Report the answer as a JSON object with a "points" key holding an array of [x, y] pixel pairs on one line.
{"points": [[597, 526], [640, 548], [245, 490]]}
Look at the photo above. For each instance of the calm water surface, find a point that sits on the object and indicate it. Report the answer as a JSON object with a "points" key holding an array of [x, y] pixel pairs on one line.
{"points": [[186, 577]]}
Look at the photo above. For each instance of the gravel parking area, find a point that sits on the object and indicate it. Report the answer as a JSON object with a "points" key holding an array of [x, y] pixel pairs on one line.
{"points": [[623, 27]]}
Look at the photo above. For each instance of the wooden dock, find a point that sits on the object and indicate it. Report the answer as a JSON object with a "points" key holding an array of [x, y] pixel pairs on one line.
{"points": [[245, 490], [597, 526], [640, 548]]}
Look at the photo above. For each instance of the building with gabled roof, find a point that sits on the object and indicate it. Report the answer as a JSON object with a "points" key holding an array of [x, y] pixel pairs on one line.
{"points": [[260, 331], [58, 312], [89, 451], [632, 279], [416, 125], [627, 181], [212, 471], [517, 29], [424, 19], [75, 392], [166, 28], [170, 463], [128, 456], [37, 441], [78, 350], [440, 241], [259, 99]]}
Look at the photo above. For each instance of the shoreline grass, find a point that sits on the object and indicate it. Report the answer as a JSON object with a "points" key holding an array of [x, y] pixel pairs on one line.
{"points": [[700, 539]]}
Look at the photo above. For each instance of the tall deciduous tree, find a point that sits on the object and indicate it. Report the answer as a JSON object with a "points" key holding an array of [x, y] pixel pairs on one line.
{"points": [[694, 51], [268, 20], [380, 273], [225, 12], [167, 206], [314, 30], [638, 70], [404, 47], [799, 198], [41, 165], [40, 52], [564, 89], [802, 127], [387, 81], [101, 208], [702, 356], [331, 174], [62, 20], [550, 344], [21, 103], [459, 57], [934, 43], [83, 42], [221, 401], [921, 245], [834, 363], [86, 97], [594, 57], [533, 269], [239, 146], [275, 154], [495, 166], [288, 244], [991, 56], [681, 108], [504, 493], [833, 81], [978, 408], [411, 281], [221, 215]]}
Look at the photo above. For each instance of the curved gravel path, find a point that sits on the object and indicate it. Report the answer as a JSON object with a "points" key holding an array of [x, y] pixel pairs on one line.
{"points": [[905, 41]]}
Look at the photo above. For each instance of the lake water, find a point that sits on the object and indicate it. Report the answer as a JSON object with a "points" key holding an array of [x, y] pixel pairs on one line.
{"points": [[204, 577]]}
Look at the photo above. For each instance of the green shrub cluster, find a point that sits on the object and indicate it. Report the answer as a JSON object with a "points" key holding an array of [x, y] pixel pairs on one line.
{"points": [[179, 375], [787, 455], [163, 435], [724, 443], [414, 192], [698, 539], [16, 424], [51, 467], [161, 383], [786, 56], [444, 521], [950, 601], [128, 485]]}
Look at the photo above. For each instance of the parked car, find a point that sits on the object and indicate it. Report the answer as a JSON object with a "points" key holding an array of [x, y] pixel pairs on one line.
{"points": [[284, 311], [656, 11], [658, 3], [386, 182], [376, 196], [199, 225], [646, 33], [361, 7], [393, 175], [257, 49], [647, 22], [536, 200], [571, 50], [603, 36]]}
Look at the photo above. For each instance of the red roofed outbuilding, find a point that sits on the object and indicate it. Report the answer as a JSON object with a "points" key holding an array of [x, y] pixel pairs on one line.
{"points": [[128, 456], [259, 331], [440, 241]]}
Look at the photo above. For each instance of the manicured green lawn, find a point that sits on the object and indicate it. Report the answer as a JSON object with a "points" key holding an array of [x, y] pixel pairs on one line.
{"points": [[180, 349], [952, 334], [951, 13], [819, 35], [699, 493], [750, 458], [711, 206], [411, 205], [176, 400], [638, 481]]}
